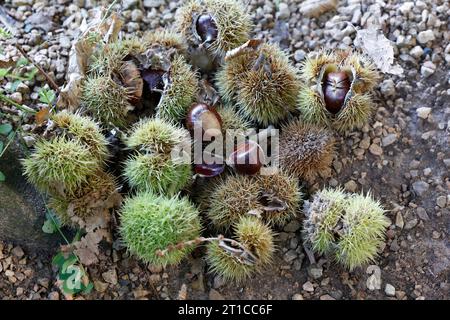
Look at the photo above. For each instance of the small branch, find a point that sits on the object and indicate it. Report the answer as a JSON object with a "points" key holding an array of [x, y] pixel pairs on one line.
{"points": [[232, 247], [51, 82]]}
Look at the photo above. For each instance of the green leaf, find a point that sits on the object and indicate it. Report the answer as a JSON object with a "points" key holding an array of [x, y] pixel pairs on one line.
{"points": [[30, 75], [1, 146], [71, 260], [59, 260], [47, 96], [5, 129], [3, 72], [50, 215], [88, 289], [2, 177], [22, 62], [49, 227]]}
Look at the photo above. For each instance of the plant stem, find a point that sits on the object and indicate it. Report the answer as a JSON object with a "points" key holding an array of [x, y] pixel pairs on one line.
{"points": [[15, 104]]}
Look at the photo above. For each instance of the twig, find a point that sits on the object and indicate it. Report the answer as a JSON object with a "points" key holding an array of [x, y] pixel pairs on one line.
{"points": [[51, 82]]}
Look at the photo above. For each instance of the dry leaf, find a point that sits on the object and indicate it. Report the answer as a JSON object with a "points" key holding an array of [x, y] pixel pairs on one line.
{"points": [[42, 115], [250, 45], [81, 51], [374, 44], [314, 8]]}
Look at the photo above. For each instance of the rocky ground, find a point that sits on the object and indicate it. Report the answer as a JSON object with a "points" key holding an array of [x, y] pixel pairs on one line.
{"points": [[402, 157]]}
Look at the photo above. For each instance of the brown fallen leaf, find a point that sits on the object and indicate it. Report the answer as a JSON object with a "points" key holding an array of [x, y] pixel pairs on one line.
{"points": [[42, 115]]}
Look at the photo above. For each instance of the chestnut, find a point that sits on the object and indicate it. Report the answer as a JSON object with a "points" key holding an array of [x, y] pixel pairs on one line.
{"points": [[207, 28], [209, 170], [247, 158], [203, 116], [131, 79], [335, 89]]}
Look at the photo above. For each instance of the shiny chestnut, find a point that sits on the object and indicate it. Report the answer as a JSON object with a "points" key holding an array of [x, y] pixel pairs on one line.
{"points": [[209, 170], [203, 116], [207, 28], [335, 89], [247, 158]]}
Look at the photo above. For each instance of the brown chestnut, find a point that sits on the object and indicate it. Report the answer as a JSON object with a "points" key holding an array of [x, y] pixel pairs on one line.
{"points": [[131, 79], [207, 28], [209, 170], [247, 158], [203, 116], [335, 89]]}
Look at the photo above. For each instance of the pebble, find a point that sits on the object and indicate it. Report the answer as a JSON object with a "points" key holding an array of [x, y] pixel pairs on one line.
{"points": [[283, 11], [350, 186], [299, 55], [425, 36], [423, 112], [399, 220], [416, 52], [389, 290], [375, 149], [387, 88], [389, 139], [153, 3], [411, 224], [374, 280], [326, 297], [441, 201], [308, 287], [18, 252], [290, 256], [297, 297], [110, 276], [315, 272], [420, 187], [428, 69]]}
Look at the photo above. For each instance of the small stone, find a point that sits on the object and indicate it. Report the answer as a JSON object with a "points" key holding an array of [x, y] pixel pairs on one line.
{"points": [[389, 139], [375, 149], [110, 276], [428, 68], [441, 201], [290, 256], [416, 52], [420, 187], [283, 11], [215, 295], [315, 272], [44, 282], [406, 7], [140, 293], [411, 224], [65, 42], [351, 186], [297, 297], [299, 55], [182, 294], [389, 290], [308, 287], [16, 97], [423, 112], [29, 141], [218, 282], [127, 4], [388, 88], [374, 281], [153, 3], [422, 213], [53, 295], [425, 36], [18, 252], [326, 297], [399, 220]]}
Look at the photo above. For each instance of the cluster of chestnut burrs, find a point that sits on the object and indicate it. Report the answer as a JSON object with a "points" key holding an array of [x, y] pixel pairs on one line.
{"points": [[144, 97]]}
